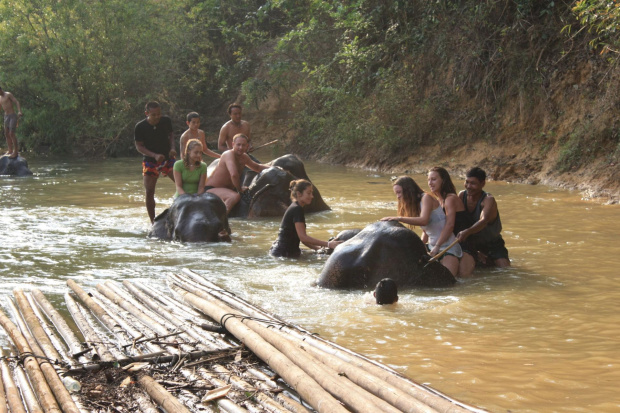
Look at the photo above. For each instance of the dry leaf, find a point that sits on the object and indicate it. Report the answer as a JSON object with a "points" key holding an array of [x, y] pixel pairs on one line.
{"points": [[216, 393]]}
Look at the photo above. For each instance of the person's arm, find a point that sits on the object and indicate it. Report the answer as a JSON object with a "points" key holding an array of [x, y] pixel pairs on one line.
{"points": [[222, 144], [450, 206], [488, 214], [205, 148], [178, 179], [311, 242], [144, 151], [256, 167], [183, 144], [422, 220], [14, 100], [173, 151], [231, 165], [202, 181]]}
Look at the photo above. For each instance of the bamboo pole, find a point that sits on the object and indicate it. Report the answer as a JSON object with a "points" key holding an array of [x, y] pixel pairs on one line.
{"points": [[30, 399], [53, 381], [167, 314], [357, 398], [284, 400], [41, 387], [162, 397], [132, 309], [308, 388], [66, 332], [90, 335], [34, 326], [426, 395], [3, 397], [268, 403], [12, 393], [98, 310]]}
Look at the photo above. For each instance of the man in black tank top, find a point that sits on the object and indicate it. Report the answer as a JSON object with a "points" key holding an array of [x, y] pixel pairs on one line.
{"points": [[487, 227]]}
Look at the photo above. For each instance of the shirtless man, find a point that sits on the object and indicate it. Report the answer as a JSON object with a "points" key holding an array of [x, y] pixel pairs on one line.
{"points": [[11, 120], [487, 227], [225, 181], [233, 127]]}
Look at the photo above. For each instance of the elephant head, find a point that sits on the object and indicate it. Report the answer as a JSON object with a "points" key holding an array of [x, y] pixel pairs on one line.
{"points": [[14, 166], [193, 218], [384, 249]]}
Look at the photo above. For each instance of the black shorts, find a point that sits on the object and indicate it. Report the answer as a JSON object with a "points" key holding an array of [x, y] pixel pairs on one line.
{"points": [[495, 249]]}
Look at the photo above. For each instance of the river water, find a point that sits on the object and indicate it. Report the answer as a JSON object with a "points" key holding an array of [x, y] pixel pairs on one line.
{"points": [[543, 335]]}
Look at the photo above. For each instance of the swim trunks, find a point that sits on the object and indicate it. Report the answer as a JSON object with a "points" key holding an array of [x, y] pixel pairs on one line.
{"points": [[154, 168], [10, 121]]}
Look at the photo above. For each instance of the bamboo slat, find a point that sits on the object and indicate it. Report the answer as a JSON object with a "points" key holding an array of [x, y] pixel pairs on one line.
{"points": [[38, 380], [308, 388], [73, 342], [13, 398], [161, 396], [30, 399], [3, 398]]}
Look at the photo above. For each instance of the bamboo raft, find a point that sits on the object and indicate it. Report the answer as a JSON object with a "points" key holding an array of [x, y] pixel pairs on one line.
{"points": [[143, 350]]}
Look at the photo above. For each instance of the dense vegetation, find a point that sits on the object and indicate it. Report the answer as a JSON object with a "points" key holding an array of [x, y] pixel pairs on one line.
{"points": [[387, 75]]}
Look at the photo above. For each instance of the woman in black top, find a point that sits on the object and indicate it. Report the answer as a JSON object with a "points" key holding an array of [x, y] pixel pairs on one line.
{"points": [[293, 226]]}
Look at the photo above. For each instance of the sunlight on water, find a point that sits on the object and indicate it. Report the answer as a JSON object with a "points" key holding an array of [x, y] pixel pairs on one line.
{"points": [[541, 336]]}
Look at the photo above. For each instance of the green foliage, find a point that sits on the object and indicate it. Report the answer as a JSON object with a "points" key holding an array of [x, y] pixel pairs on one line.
{"points": [[601, 17]]}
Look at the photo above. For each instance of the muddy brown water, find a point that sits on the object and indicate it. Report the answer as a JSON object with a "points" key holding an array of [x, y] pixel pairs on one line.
{"points": [[540, 336]]}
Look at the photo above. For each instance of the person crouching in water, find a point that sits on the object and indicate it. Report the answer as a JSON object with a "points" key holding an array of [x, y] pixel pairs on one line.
{"points": [[293, 226], [386, 292]]}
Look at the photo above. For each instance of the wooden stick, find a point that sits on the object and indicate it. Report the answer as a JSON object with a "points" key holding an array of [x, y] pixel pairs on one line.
{"points": [[73, 342], [307, 387], [161, 395], [40, 384], [438, 256], [3, 397], [90, 335], [35, 328], [263, 145], [12, 392], [30, 399], [426, 395]]}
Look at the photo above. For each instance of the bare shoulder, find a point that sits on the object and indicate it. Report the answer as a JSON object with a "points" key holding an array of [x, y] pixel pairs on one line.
{"points": [[489, 199], [461, 193]]}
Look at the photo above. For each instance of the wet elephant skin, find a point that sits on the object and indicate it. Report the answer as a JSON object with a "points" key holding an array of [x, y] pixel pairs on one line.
{"points": [[192, 218], [384, 249], [14, 167]]}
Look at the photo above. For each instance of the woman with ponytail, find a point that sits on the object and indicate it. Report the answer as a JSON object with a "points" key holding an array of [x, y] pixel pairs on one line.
{"points": [[293, 226]]}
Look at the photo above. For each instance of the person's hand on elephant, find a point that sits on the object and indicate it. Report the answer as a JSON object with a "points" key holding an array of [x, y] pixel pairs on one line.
{"points": [[390, 219]]}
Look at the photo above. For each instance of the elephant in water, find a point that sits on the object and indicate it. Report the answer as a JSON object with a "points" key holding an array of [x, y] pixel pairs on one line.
{"points": [[14, 166], [384, 249], [193, 218], [268, 194]]}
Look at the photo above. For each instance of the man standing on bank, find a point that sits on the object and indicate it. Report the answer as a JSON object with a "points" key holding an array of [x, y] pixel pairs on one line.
{"points": [[487, 227], [11, 120], [232, 128], [154, 139]]}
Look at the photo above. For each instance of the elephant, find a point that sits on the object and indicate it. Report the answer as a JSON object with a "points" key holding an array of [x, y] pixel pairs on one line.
{"points": [[193, 218], [268, 194], [384, 249], [14, 166]]}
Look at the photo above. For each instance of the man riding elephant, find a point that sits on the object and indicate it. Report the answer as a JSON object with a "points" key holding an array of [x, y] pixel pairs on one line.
{"points": [[193, 218], [268, 193], [384, 249]]}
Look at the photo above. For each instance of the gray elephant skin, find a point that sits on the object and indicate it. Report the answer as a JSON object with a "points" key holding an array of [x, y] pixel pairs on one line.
{"points": [[192, 218], [268, 194], [14, 166], [384, 249]]}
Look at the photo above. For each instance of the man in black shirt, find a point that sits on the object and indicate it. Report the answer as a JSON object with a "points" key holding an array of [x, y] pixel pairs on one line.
{"points": [[154, 139]]}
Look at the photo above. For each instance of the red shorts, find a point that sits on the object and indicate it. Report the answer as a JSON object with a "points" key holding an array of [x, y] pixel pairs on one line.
{"points": [[154, 168]]}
